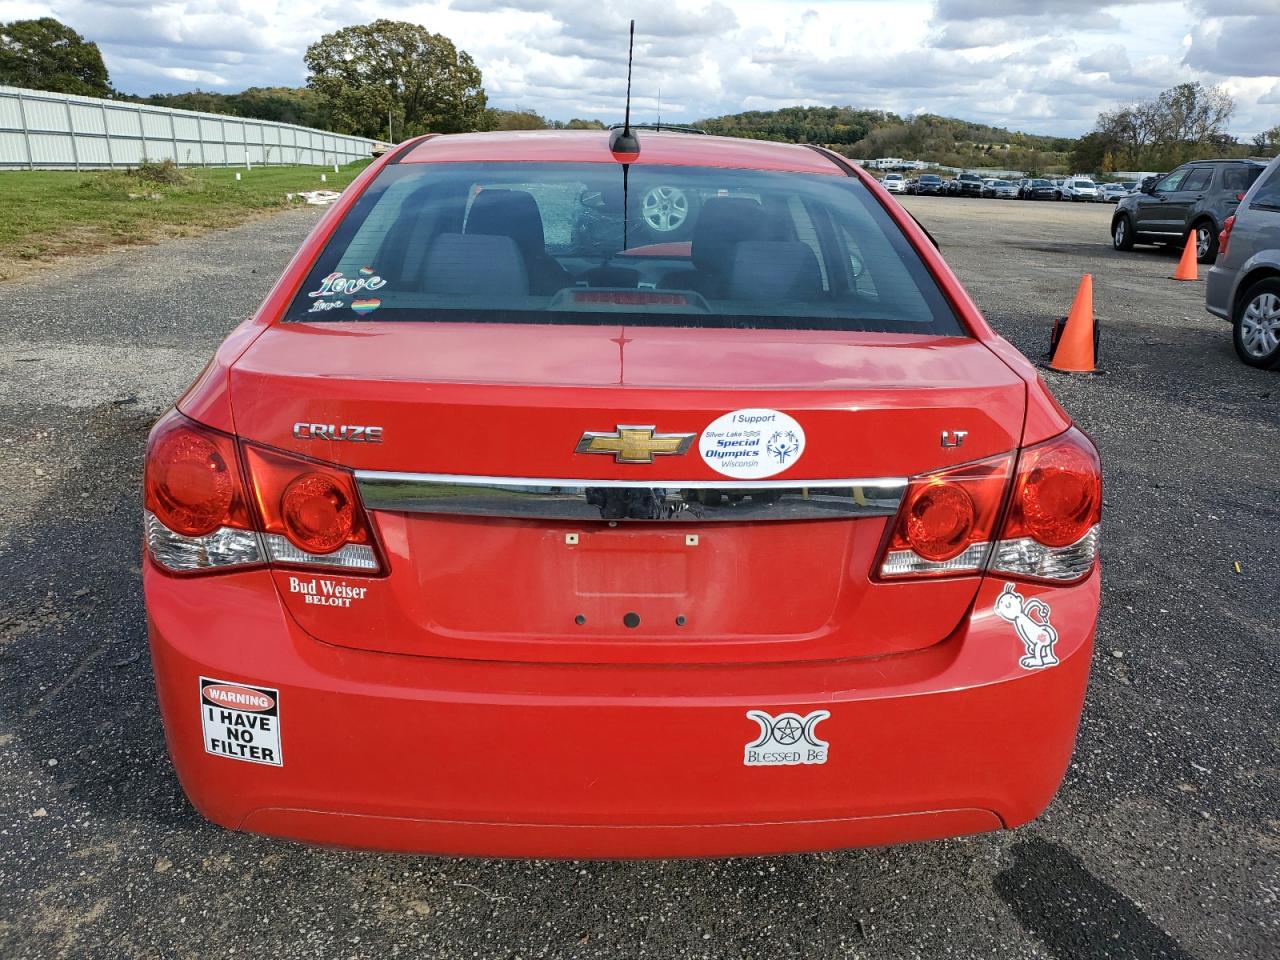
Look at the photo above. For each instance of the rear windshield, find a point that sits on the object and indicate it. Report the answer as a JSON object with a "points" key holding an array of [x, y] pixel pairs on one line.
{"points": [[592, 244], [1239, 177]]}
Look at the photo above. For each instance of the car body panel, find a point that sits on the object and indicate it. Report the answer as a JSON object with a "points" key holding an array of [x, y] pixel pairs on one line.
{"points": [[570, 146], [430, 387], [578, 761], [476, 724], [1254, 250]]}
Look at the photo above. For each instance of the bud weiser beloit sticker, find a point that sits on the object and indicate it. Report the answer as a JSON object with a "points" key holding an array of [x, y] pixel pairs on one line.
{"points": [[241, 722], [752, 444]]}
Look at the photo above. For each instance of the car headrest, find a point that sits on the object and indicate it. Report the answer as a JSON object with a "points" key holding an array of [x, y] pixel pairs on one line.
{"points": [[723, 222], [508, 213], [774, 270], [475, 265]]}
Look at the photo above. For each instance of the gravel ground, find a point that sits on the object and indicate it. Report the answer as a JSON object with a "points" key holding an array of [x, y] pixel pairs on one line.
{"points": [[1163, 842]]}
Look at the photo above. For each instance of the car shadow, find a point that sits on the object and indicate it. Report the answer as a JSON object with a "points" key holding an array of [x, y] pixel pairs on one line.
{"points": [[74, 657], [1076, 914]]}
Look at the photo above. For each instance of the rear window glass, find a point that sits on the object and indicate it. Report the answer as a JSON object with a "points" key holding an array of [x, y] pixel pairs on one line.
{"points": [[1268, 194], [581, 244], [1198, 179], [1238, 178]]}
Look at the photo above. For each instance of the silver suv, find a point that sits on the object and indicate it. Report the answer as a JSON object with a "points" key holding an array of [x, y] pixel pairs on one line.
{"points": [[1244, 285]]}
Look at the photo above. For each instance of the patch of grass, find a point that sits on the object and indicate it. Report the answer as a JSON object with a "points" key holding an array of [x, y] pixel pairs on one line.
{"points": [[54, 213]]}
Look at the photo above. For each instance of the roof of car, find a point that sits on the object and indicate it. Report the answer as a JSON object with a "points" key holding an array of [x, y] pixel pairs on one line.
{"points": [[592, 146], [1253, 160]]}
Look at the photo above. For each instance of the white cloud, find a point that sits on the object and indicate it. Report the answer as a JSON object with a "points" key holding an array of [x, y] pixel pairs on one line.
{"points": [[1022, 63]]}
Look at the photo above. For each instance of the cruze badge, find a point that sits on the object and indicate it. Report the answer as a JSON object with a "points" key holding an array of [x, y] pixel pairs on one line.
{"points": [[337, 431], [630, 444]]}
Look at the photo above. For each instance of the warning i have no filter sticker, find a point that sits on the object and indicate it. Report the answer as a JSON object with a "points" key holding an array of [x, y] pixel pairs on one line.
{"points": [[241, 722]]}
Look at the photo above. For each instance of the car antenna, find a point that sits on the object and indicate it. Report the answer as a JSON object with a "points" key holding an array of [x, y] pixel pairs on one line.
{"points": [[624, 144]]}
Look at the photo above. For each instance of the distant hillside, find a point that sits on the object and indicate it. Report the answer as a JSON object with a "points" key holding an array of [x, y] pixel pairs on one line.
{"points": [[867, 134], [298, 105]]}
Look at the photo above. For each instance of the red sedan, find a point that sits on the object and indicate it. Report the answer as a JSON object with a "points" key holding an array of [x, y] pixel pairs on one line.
{"points": [[564, 502]]}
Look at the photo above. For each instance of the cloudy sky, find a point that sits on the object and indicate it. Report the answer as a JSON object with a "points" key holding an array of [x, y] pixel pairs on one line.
{"points": [[1042, 67]]}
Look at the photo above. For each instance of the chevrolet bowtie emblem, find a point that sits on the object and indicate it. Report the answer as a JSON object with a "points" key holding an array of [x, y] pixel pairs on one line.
{"points": [[635, 444]]}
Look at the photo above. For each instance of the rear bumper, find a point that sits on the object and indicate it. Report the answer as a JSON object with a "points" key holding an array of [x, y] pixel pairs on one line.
{"points": [[499, 759], [1219, 291]]}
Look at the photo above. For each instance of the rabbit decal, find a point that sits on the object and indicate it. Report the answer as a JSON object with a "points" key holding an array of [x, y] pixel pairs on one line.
{"points": [[1031, 619]]}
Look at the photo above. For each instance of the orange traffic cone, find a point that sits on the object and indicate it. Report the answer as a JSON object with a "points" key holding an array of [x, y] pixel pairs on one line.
{"points": [[1075, 349], [1187, 269]]}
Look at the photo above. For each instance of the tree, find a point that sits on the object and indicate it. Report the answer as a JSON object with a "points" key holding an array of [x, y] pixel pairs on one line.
{"points": [[419, 77], [1183, 123], [46, 54], [1267, 143], [495, 119]]}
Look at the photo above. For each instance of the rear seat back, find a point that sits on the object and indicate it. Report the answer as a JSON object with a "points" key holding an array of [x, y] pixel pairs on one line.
{"points": [[774, 270], [475, 265]]}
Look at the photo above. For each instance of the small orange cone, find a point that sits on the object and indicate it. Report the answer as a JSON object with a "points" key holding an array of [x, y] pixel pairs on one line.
{"points": [[1187, 269], [1075, 347]]}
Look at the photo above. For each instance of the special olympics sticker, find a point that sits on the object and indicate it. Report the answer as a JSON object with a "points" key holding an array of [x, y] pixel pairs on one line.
{"points": [[752, 444]]}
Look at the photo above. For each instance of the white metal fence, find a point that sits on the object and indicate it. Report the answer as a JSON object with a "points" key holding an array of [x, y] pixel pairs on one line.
{"points": [[55, 131]]}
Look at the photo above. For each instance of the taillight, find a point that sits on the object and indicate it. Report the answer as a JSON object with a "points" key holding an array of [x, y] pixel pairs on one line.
{"points": [[197, 514], [1051, 532], [1225, 236], [948, 522], [203, 512], [310, 512]]}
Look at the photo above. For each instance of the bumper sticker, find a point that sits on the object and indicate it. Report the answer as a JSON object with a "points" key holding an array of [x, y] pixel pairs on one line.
{"points": [[1030, 618], [786, 740], [241, 722], [327, 593], [752, 444]]}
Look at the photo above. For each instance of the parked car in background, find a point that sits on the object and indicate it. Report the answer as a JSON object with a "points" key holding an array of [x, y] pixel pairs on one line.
{"points": [[1059, 184], [1000, 190], [1244, 284], [929, 183], [1079, 189], [967, 185], [895, 183], [1198, 196], [1037, 189]]}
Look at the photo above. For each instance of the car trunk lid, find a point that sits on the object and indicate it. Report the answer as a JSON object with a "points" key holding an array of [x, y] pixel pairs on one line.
{"points": [[735, 577]]}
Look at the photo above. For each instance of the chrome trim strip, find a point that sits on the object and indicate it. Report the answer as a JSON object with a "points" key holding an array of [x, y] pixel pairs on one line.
{"points": [[554, 498]]}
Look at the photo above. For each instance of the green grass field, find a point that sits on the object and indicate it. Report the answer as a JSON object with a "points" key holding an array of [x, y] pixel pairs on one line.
{"points": [[53, 213]]}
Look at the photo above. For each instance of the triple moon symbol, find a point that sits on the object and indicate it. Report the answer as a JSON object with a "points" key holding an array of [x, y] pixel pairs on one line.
{"points": [[788, 728]]}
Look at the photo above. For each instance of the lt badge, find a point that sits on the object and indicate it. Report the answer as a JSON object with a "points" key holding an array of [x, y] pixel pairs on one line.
{"points": [[786, 740]]}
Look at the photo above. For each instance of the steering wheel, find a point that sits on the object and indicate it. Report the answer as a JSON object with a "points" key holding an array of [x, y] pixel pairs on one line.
{"points": [[665, 208]]}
